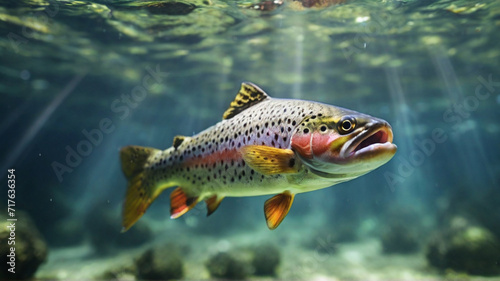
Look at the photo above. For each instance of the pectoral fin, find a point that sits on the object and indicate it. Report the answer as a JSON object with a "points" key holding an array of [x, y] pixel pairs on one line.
{"points": [[269, 160], [277, 207], [180, 203]]}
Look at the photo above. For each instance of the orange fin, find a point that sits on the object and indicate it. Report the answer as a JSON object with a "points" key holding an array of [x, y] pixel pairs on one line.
{"points": [[212, 204], [139, 196], [277, 207], [180, 203], [270, 160]]}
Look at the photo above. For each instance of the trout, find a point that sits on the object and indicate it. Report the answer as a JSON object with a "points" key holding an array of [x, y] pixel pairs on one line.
{"points": [[262, 146]]}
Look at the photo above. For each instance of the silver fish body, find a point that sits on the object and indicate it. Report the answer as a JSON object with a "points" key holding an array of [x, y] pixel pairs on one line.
{"points": [[262, 146]]}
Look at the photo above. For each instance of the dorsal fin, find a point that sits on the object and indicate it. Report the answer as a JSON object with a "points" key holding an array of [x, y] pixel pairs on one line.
{"points": [[178, 141], [249, 94]]}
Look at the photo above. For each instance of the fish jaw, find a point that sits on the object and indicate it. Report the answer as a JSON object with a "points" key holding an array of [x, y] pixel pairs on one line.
{"points": [[373, 142], [332, 154]]}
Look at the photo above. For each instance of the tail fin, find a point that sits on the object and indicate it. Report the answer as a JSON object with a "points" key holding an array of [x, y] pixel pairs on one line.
{"points": [[139, 195]]}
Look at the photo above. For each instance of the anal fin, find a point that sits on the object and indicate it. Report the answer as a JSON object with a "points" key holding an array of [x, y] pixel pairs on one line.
{"points": [[212, 204], [180, 203], [277, 207], [270, 160]]}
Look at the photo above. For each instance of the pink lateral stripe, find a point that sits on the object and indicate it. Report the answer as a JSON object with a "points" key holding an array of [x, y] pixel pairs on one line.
{"points": [[215, 157]]}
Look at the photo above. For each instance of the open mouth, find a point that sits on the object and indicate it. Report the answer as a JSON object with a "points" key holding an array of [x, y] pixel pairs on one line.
{"points": [[376, 138]]}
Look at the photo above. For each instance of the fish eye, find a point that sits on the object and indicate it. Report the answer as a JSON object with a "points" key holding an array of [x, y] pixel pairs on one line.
{"points": [[323, 128], [346, 125]]}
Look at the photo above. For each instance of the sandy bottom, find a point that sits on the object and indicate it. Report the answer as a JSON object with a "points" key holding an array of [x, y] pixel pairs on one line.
{"points": [[362, 260]]}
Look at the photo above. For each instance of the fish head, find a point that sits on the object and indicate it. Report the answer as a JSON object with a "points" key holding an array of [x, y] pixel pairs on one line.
{"points": [[346, 144]]}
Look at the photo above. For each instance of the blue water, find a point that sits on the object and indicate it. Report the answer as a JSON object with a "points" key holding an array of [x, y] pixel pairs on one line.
{"points": [[80, 80]]}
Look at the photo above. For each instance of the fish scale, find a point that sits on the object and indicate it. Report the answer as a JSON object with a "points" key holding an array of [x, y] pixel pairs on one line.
{"points": [[262, 146], [269, 128]]}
